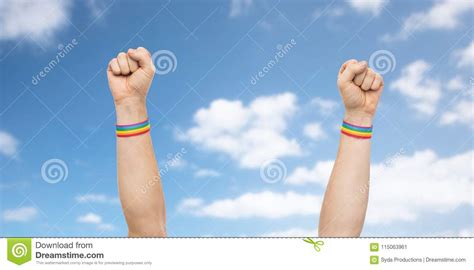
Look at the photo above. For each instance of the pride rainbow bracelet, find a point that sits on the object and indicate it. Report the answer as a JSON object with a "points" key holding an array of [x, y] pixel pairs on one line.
{"points": [[133, 129], [355, 131]]}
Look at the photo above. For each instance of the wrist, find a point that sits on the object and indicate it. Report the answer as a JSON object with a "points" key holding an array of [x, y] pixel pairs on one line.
{"points": [[131, 110], [357, 126], [358, 118]]}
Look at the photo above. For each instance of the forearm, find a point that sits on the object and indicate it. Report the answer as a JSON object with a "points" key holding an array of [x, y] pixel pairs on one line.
{"points": [[139, 181], [345, 201]]}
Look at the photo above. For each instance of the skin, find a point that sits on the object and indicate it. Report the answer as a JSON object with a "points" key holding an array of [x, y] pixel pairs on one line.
{"points": [[130, 76], [345, 201]]}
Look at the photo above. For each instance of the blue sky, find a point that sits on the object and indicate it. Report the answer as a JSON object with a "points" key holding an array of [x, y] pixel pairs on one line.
{"points": [[239, 157]]}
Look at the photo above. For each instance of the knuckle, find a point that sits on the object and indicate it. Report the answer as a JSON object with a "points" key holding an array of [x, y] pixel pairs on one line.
{"points": [[350, 61], [142, 49], [376, 83], [142, 53]]}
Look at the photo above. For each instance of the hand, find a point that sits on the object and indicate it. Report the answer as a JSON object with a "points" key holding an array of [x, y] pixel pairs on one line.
{"points": [[130, 75], [360, 88]]}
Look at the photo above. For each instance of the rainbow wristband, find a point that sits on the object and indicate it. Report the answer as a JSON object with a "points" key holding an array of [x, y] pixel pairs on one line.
{"points": [[354, 131], [133, 129]]}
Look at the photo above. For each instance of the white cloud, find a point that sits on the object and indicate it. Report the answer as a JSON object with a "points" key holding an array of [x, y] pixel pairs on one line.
{"points": [[176, 163], [325, 106], [422, 92], [206, 173], [314, 131], [420, 183], [90, 218], [96, 198], [39, 20], [22, 214], [249, 134], [372, 6], [106, 227], [265, 25], [461, 113], [465, 232], [8, 144], [293, 232], [465, 56], [407, 186], [190, 204], [443, 15], [265, 204], [400, 191], [97, 7], [319, 174], [238, 7], [455, 84]]}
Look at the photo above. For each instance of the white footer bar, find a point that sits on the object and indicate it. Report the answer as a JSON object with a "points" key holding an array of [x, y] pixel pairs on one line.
{"points": [[236, 253]]}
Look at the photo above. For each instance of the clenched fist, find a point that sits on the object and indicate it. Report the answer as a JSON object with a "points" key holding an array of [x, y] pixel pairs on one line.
{"points": [[360, 88], [130, 75]]}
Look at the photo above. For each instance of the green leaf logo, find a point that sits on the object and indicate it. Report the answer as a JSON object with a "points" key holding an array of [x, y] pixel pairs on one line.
{"points": [[316, 244], [19, 250]]}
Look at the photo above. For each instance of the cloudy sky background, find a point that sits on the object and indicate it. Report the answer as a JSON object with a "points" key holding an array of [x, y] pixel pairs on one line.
{"points": [[239, 156]]}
